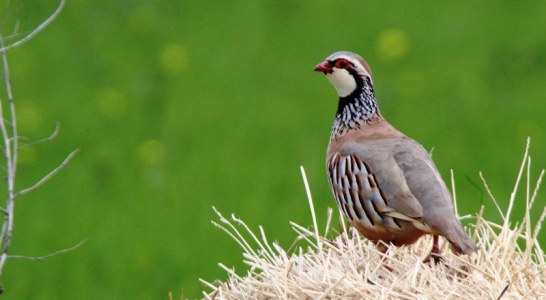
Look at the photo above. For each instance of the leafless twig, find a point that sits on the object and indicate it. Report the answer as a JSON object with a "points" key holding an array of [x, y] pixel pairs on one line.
{"points": [[33, 33], [10, 140], [40, 258], [10, 154], [50, 138], [49, 175]]}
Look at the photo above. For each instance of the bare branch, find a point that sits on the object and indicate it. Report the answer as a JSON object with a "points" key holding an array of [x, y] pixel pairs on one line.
{"points": [[40, 258], [13, 123], [46, 139], [10, 140], [3, 128], [10, 155], [44, 179], [37, 30]]}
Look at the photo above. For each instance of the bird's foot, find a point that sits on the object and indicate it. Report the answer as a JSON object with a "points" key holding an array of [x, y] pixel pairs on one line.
{"points": [[384, 249], [387, 267], [434, 258]]}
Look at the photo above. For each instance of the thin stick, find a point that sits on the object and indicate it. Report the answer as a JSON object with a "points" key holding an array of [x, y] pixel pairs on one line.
{"points": [[40, 258], [37, 30], [312, 207], [503, 291], [342, 220], [491, 196], [44, 179], [537, 187], [329, 215], [513, 195], [538, 225], [50, 138], [527, 217], [11, 139], [10, 155]]}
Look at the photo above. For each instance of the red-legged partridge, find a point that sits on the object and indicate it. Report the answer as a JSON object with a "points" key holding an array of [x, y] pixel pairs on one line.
{"points": [[384, 182]]}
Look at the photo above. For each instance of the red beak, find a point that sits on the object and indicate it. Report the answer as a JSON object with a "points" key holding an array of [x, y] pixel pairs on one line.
{"points": [[324, 67]]}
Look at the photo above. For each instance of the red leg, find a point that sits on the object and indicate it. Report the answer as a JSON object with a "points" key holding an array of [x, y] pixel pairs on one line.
{"points": [[384, 250], [434, 255]]}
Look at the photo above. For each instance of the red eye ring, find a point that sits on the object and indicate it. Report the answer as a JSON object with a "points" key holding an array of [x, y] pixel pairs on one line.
{"points": [[342, 64]]}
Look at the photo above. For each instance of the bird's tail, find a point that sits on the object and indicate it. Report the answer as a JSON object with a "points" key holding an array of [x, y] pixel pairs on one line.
{"points": [[461, 243]]}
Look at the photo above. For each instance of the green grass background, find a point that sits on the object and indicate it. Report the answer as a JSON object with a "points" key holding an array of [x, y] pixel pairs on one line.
{"points": [[178, 106]]}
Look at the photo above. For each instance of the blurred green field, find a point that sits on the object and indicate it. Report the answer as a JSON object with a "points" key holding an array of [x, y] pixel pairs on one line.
{"points": [[178, 106]]}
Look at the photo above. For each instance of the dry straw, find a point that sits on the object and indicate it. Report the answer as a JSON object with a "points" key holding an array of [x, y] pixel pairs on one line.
{"points": [[509, 265]]}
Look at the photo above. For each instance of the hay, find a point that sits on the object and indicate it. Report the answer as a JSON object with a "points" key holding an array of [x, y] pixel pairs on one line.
{"points": [[509, 265]]}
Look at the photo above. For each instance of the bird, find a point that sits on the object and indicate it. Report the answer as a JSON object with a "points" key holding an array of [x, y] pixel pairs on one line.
{"points": [[385, 183]]}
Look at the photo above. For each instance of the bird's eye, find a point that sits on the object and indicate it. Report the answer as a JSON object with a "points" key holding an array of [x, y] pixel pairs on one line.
{"points": [[342, 63]]}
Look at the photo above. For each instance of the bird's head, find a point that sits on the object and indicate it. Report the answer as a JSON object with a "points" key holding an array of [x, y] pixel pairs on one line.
{"points": [[347, 71]]}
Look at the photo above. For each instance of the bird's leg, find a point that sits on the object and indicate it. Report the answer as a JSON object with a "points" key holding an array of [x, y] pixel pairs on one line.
{"points": [[384, 250], [434, 255]]}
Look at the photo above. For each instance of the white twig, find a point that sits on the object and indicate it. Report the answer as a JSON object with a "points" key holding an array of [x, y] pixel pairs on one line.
{"points": [[10, 139], [40, 258], [37, 30], [50, 138], [10, 155], [44, 179]]}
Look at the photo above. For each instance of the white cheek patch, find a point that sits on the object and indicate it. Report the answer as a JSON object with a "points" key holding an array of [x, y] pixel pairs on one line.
{"points": [[344, 82]]}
